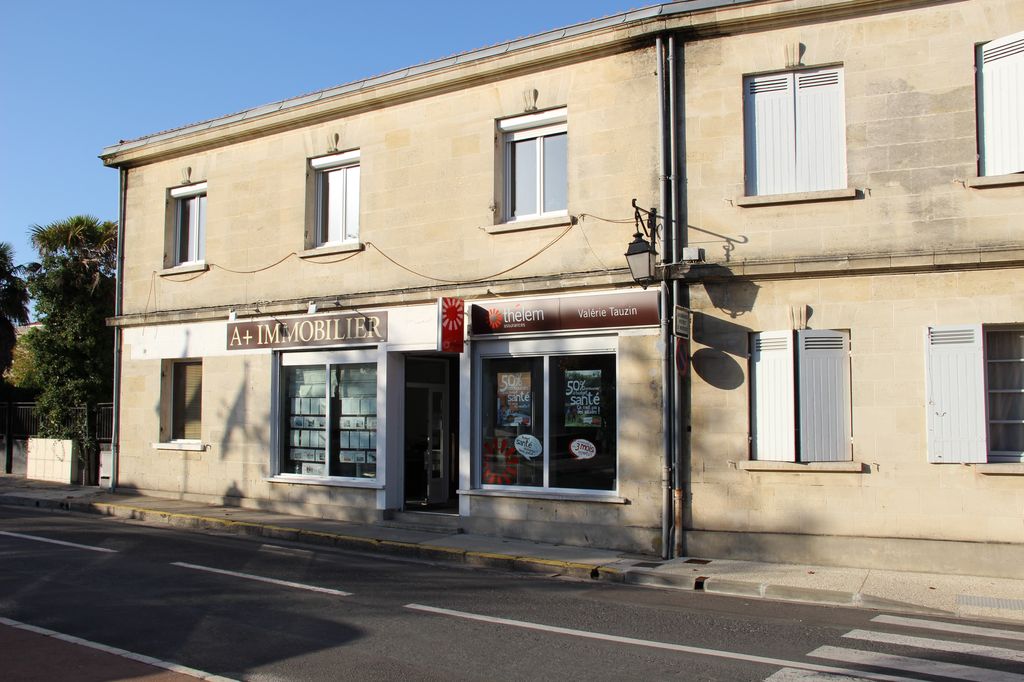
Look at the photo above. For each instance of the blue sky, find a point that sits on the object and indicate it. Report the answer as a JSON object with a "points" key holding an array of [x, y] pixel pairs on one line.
{"points": [[79, 76]]}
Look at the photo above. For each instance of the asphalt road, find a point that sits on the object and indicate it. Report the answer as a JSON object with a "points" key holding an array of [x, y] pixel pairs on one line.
{"points": [[244, 609]]}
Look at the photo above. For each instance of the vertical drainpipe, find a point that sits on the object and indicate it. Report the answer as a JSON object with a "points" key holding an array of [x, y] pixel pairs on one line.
{"points": [[667, 374], [680, 295], [115, 436]]}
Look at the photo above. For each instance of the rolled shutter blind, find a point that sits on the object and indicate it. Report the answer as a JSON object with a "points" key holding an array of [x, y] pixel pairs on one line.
{"points": [[187, 401]]}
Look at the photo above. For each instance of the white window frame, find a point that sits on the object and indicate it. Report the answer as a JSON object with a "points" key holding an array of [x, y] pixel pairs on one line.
{"points": [[1000, 93], [782, 154], [800, 396], [355, 356], [544, 349], [192, 196], [957, 405], [324, 167], [532, 127]]}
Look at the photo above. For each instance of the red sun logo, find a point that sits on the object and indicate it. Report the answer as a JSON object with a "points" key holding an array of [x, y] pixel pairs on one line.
{"points": [[494, 318]]}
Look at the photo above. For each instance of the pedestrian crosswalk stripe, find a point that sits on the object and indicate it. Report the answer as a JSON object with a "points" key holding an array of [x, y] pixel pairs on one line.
{"points": [[938, 645], [797, 675], [949, 627], [915, 665]]}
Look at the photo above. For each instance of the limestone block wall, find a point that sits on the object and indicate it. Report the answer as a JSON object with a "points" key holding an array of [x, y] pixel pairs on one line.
{"points": [[898, 494], [51, 459], [911, 139], [431, 170]]}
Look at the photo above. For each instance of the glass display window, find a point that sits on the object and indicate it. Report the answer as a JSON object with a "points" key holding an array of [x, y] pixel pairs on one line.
{"points": [[548, 420], [328, 419]]}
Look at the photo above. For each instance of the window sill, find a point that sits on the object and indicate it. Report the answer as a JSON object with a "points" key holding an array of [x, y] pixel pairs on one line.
{"points": [[294, 479], [187, 445], [1003, 469], [534, 224], [332, 249], [185, 269], [805, 467], [797, 197], [545, 495], [987, 181]]}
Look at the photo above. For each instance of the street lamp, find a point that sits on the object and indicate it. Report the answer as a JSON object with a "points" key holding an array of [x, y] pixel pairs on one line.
{"points": [[641, 254]]}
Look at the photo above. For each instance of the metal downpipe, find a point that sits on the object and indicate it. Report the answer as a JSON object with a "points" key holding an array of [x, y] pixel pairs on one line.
{"points": [[115, 436], [666, 314]]}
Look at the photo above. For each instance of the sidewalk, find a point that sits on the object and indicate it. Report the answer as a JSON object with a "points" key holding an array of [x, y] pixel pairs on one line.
{"points": [[920, 593]]}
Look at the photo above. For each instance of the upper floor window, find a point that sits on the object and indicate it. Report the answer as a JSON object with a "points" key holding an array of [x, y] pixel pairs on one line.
{"points": [[975, 398], [536, 148], [800, 396], [795, 132], [337, 198], [1001, 106], [189, 223]]}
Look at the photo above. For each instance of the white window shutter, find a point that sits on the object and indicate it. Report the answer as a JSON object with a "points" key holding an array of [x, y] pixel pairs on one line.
{"points": [[955, 394], [820, 130], [773, 399], [770, 146], [823, 368], [1001, 86]]}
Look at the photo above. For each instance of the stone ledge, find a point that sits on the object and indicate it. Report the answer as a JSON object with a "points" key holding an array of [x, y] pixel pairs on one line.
{"points": [[332, 250], [796, 197], [987, 181], [520, 225], [336, 483], [805, 467], [543, 495], [185, 269], [189, 446], [1001, 469]]}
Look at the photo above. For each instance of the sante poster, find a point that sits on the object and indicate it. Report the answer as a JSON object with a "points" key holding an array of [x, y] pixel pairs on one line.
{"points": [[515, 400], [582, 397]]}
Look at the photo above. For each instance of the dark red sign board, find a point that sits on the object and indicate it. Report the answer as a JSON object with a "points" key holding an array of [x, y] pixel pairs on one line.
{"points": [[601, 311]]}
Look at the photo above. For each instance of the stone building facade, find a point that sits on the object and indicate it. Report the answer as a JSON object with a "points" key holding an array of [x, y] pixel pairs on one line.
{"points": [[288, 271]]}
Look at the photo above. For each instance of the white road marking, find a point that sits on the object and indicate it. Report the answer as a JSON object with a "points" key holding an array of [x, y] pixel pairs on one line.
{"points": [[148, 660], [681, 648], [58, 542], [939, 645], [259, 578], [949, 627], [920, 666], [794, 675]]}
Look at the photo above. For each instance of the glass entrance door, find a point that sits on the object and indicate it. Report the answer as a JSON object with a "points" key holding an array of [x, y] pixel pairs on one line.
{"points": [[427, 433]]}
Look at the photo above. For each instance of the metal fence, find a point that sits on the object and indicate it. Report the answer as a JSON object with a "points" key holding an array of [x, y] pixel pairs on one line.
{"points": [[19, 421]]}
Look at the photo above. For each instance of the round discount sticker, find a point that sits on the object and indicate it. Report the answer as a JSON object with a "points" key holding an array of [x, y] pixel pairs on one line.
{"points": [[528, 446], [582, 449]]}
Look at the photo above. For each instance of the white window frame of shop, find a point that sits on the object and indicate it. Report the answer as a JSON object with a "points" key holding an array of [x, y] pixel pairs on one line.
{"points": [[337, 198], [535, 127], [545, 349], [189, 235], [794, 131], [800, 405], [1000, 74], [958, 394], [354, 356]]}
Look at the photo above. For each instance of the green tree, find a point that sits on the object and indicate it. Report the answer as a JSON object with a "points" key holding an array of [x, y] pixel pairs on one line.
{"points": [[73, 289], [13, 305]]}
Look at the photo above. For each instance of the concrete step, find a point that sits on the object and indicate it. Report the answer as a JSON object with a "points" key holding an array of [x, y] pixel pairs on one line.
{"points": [[435, 522]]}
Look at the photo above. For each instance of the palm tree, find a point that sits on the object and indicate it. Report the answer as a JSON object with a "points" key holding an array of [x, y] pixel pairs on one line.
{"points": [[83, 239], [13, 304]]}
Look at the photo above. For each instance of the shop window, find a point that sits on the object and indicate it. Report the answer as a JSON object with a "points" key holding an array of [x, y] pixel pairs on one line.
{"points": [[329, 420], [1000, 74], [186, 400], [800, 396], [535, 155], [188, 234], [336, 180], [975, 394], [795, 132], [549, 422]]}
